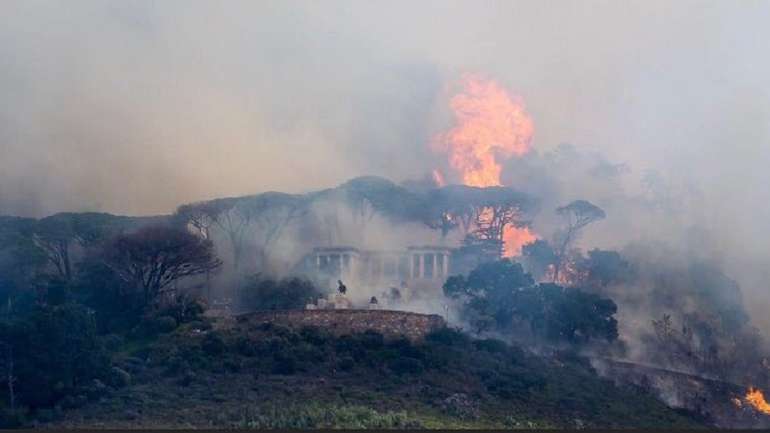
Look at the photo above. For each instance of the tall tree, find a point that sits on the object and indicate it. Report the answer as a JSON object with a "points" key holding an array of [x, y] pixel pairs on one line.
{"points": [[21, 260], [155, 257], [480, 213], [271, 213], [199, 217], [500, 207], [57, 234], [577, 215]]}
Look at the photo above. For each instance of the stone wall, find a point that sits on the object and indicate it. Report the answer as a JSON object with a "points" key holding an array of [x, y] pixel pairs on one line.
{"points": [[391, 324]]}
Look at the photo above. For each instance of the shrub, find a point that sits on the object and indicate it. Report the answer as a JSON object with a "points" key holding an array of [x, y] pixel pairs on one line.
{"points": [[246, 347], [112, 342], [213, 344], [315, 335], [154, 325], [119, 377], [183, 309], [284, 363], [406, 365], [12, 418], [448, 336], [261, 293], [346, 363], [371, 340], [491, 345], [201, 325]]}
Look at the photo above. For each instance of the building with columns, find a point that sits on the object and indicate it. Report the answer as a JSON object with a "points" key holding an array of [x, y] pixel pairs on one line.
{"points": [[417, 267]]}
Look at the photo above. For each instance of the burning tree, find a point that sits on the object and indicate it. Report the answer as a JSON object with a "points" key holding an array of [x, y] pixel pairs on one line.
{"points": [[491, 215], [490, 124], [450, 208], [482, 212], [578, 215], [484, 217], [498, 208]]}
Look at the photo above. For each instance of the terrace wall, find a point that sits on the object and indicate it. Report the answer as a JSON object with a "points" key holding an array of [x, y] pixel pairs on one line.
{"points": [[391, 324]]}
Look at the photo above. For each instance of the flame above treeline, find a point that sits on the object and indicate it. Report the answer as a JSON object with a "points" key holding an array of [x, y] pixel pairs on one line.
{"points": [[491, 126]]}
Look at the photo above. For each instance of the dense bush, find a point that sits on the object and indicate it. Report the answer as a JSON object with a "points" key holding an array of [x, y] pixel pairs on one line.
{"points": [[54, 351], [183, 309], [501, 296], [406, 365], [260, 293], [155, 325]]}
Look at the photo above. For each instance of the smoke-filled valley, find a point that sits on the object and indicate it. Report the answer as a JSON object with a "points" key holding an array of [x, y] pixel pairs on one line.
{"points": [[339, 214]]}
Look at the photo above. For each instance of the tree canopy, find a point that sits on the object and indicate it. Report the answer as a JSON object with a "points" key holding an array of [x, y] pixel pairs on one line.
{"points": [[501, 296], [155, 257]]}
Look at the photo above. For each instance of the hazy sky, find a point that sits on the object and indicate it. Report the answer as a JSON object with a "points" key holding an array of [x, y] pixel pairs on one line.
{"points": [[135, 107]]}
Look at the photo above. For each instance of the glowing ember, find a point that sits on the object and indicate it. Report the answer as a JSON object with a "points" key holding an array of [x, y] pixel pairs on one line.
{"points": [[570, 274], [755, 398], [491, 125]]}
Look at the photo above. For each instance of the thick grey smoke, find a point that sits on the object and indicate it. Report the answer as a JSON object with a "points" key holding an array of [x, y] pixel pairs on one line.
{"points": [[136, 107]]}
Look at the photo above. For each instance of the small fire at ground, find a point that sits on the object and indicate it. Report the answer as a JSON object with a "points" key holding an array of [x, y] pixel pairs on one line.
{"points": [[756, 399], [491, 126]]}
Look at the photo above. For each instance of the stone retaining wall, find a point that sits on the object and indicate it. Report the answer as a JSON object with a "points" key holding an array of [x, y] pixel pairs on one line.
{"points": [[391, 324]]}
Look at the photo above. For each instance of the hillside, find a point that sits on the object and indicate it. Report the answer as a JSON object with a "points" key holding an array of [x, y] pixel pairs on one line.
{"points": [[228, 373]]}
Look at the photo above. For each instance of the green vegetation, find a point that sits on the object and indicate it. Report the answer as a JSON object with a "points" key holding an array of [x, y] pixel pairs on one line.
{"points": [[250, 374], [315, 415], [500, 296], [260, 293]]}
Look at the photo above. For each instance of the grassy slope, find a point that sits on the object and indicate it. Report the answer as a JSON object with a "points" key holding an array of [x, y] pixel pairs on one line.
{"points": [[255, 376]]}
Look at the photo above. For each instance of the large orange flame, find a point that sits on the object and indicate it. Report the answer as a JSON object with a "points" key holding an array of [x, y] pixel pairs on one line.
{"points": [[515, 238], [755, 398], [491, 125]]}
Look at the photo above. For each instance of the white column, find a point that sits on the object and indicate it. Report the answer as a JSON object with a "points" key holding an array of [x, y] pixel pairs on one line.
{"points": [[422, 266], [435, 266], [446, 265]]}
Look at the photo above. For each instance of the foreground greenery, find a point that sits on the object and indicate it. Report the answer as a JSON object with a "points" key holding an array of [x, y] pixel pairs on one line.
{"points": [[251, 375]]}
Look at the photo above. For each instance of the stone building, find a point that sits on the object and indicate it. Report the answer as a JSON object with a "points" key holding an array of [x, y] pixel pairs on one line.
{"points": [[417, 267]]}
